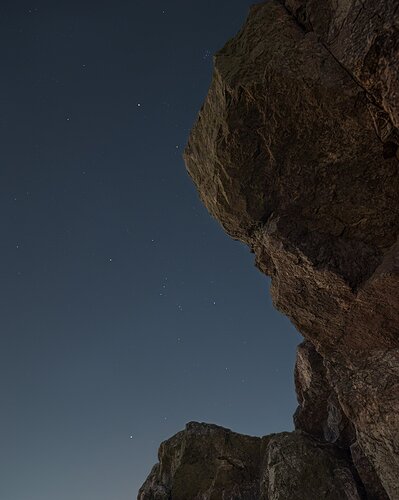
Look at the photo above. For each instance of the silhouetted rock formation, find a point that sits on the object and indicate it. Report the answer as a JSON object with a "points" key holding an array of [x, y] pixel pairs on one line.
{"points": [[295, 152]]}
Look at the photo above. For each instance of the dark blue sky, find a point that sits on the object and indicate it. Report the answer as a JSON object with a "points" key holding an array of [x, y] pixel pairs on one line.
{"points": [[126, 311]]}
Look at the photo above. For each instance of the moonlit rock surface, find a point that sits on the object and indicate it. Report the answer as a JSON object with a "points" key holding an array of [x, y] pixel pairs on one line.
{"points": [[295, 152], [207, 462]]}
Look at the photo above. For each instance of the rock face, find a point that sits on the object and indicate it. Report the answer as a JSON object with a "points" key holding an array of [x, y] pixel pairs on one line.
{"points": [[206, 462], [363, 36], [295, 152], [319, 412]]}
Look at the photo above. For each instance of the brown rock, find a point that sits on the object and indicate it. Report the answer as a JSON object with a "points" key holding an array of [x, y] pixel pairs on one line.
{"points": [[319, 412], [206, 462], [286, 155], [367, 474], [368, 392], [299, 467], [364, 37], [295, 153]]}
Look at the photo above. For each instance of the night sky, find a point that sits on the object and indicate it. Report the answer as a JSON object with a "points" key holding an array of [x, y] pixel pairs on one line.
{"points": [[126, 311]]}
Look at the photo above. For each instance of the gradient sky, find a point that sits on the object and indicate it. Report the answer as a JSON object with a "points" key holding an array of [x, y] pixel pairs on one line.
{"points": [[126, 311]]}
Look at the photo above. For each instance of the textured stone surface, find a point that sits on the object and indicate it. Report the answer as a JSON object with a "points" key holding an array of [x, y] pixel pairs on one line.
{"points": [[212, 463], [369, 393], [286, 156], [205, 462], [297, 467], [367, 474], [364, 36], [295, 153], [319, 412]]}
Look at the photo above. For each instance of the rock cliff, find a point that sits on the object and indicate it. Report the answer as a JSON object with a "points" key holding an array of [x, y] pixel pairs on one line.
{"points": [[295, 152]]}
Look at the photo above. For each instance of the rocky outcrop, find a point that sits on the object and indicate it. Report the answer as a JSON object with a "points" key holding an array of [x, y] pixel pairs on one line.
{"points": [[207, 462], [295, 152]]}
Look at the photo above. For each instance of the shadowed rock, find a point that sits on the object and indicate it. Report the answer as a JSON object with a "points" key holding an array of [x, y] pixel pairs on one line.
{"points": [[212, 463], [367, 474], [364, 37], [319, 412]]}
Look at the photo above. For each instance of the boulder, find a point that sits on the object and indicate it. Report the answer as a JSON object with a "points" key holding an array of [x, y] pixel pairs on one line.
{"points": [[207, 462]]}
